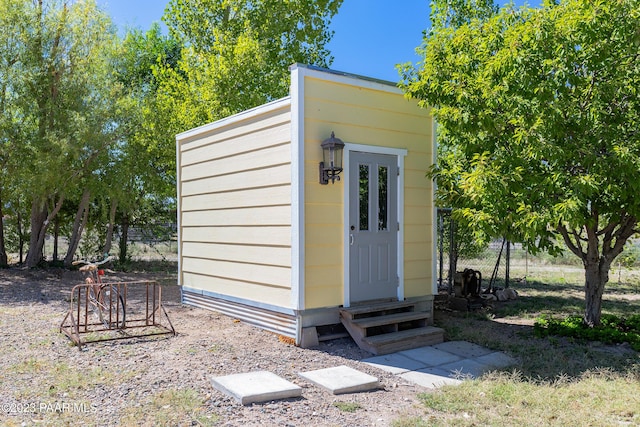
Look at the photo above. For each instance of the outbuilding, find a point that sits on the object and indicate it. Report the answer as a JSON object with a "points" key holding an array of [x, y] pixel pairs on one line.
{"points": [[271, 234]]}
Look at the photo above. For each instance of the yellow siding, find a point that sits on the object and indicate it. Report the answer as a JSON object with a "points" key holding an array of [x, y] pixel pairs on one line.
{"points": [[240, 289], [235, 197], [367, 116]]}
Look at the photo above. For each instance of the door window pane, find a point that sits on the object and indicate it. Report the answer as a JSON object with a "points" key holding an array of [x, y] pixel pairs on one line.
{"points": [[383, 179], [364, 197]]}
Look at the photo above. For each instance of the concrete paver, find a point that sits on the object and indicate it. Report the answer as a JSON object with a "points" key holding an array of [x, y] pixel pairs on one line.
{"points": [[395, 363], [465, 368], [441, 364], [431, 356], [464, 349], [342, 379], [429, 380], [432, 366], [255, 387]]}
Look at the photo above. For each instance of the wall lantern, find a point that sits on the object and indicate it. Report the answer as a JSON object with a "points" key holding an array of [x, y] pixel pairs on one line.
{"points": [[331, 166]]}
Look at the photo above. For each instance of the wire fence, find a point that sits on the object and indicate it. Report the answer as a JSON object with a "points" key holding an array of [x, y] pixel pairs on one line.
{"points": [[501, 263]]}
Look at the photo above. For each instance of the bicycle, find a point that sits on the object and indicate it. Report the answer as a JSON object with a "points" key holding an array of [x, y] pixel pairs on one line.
{"points": [[106, 301]]}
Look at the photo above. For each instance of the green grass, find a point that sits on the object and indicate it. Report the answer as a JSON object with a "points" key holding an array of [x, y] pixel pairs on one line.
{"points": [[600, 383], [599, 398], [347, 406]]}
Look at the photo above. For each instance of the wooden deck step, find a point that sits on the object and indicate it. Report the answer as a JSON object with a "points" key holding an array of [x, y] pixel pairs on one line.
{"points": [[403, 340], [376, 309], [409, 316], [383, 328]]}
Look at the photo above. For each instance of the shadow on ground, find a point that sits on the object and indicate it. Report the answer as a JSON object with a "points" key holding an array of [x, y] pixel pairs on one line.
{"points": [[546, 358]]}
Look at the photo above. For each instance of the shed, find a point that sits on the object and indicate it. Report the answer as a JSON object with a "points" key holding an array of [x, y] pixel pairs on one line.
{"points": [[262, 240]]}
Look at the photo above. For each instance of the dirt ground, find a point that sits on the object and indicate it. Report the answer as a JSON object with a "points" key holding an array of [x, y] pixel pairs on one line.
{"points": [[46, 380]]}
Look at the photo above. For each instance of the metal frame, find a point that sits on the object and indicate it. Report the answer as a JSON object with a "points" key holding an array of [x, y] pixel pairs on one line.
{"points": [[147, 318]]}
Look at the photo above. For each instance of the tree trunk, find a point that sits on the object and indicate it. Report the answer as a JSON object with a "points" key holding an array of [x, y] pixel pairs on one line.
{"points": [[4, 259], [39, 223], [602, 248], [20, 235], [38, 218], [112, 219], [124, 236], [596, 277], [78, 226], [56, 237]]}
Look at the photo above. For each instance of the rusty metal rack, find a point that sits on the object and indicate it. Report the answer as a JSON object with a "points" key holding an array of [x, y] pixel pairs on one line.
{"points": [[125, 310]]}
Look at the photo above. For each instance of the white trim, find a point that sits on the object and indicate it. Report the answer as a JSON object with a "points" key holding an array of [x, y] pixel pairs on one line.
{"points": [[244, 115], [400, 154], [401, 226], [434, 231], [179, 214], [347, 78], [297, 192]]}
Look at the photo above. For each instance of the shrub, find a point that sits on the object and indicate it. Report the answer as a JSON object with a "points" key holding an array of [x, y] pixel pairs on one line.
{"points": [[613, 329]]}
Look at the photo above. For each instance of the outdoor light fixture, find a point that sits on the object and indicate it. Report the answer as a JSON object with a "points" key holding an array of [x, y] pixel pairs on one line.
{"points": [[331, 166]]}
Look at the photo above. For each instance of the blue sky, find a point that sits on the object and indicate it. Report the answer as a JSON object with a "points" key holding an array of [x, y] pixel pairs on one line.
{"points": [[371, 36]]}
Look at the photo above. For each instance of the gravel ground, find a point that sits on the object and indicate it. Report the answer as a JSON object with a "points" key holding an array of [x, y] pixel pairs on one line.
{"points": [[44, 380]]}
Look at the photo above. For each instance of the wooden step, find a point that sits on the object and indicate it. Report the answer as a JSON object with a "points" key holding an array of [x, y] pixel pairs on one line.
{"points": [[377, 309], [402, 340], [389, 319], [382, 328]]}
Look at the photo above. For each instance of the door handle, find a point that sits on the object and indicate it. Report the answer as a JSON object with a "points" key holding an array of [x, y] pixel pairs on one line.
{"points": [[350, 239]]}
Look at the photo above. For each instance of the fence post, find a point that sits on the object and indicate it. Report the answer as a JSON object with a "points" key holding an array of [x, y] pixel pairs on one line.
{"points": [[507, 264], [452, 253], [441, 233]]}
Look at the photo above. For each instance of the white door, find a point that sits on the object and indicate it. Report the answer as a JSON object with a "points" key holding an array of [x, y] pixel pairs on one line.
{"points": [[373, 227]]}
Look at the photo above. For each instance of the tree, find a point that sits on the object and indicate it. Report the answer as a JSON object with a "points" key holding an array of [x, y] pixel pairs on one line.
{"points": [[542, 107], [142, 167], [11, 50], [237, 53], [63, 97]]}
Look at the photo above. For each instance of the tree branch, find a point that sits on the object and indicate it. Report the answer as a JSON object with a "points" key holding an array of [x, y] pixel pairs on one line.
{"points": [[575, 248], [627, 229]]}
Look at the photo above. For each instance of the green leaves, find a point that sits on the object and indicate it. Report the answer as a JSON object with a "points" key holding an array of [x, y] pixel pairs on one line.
{"points": [[550, 93], [541, 108], [237, 52]]}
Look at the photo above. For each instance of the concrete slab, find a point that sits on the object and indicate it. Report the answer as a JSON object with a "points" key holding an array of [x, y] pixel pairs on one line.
{"points": [[255, 387], [463, 349], [395, 363], [465, 368], [341, 379], [497, 360], [430, 356], [429, 380]]}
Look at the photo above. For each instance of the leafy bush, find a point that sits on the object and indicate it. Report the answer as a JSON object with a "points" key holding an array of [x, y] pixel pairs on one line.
{"points": [[613, 329]]}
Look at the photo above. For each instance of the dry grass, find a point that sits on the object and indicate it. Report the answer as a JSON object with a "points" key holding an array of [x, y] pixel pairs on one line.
{"points": [[169, 408], [558, 381]]}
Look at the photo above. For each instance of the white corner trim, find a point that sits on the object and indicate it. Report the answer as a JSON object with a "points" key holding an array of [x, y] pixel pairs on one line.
{"points": [[297, 190], [434, 231], [401, 226], [179, 210]]}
